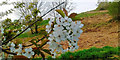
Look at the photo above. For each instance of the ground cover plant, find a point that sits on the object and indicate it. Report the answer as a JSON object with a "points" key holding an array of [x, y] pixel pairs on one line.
{"points": [[105, 53]]}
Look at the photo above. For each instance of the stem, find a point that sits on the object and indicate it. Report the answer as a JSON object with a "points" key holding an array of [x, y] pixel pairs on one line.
{"points": [[36, 31], [38, 41], [31, 31]]}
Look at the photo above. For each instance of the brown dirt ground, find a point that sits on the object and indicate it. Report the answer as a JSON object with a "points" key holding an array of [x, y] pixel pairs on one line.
{"points": [[104, 35]]}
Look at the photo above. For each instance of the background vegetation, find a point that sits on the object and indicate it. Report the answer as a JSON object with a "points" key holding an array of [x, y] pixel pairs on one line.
{"points": [[105, 53]]}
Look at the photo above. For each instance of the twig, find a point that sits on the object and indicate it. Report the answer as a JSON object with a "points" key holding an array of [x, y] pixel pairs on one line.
{"points": [[38, 41], [7, 51], [30, 44], [5, 42]]}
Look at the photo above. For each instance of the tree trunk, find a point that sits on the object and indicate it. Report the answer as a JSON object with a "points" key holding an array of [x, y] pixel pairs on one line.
{"points": [[31, 31], [36, 31]]}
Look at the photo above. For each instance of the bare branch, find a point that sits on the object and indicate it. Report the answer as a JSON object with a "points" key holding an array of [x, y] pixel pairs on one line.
{"points": [[7, 51]]}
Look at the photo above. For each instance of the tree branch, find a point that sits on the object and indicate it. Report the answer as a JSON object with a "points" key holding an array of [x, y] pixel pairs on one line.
{"points": [[7, 51], [5, 42], [38, 41]]}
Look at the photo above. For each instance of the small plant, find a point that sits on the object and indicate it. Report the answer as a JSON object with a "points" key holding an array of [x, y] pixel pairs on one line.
{"points": [[105, 53]]}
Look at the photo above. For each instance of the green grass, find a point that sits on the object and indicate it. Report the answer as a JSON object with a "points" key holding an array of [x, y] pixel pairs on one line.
{"points": [[28, 34], [96, 25], [44, 22], [42, 32], [89, 14], [85, 14], [105, 53], [24, 35]]}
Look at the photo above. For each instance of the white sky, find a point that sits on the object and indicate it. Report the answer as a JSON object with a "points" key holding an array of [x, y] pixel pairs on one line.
{"points": [[80, 6]]}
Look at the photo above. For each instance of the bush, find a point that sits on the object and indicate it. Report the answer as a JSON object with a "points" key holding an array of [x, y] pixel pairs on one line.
{"points": [[103, 6], [114, 10]]}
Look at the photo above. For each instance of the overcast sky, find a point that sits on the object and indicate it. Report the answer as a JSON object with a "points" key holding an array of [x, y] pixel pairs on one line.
{"points": [[79, 6]]}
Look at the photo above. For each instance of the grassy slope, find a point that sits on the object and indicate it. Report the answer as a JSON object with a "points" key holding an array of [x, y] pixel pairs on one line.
{"points": [[85, 14]]}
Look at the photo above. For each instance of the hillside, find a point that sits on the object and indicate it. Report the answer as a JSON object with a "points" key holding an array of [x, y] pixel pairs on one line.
{"points": [[97, 31]]}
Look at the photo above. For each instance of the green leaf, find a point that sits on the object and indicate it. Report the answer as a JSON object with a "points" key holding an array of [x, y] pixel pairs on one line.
{"points": [[43, 23], [37, 52], [44, 42], [66, 13], [47, 51], [42, 54], [60, 12], [39, 45], [32, 41], [37, 40]]}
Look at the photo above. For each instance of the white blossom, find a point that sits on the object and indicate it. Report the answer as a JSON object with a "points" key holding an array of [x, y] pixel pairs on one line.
{"points": [[12, 44], [2, 30], [12, 49], [19, 50], [53, 54], [59, 48], [28, 53], [48, 28], [63, 29], [52, 44]]}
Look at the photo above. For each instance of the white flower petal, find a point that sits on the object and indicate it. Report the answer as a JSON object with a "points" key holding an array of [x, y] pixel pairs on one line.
{"points": [[12, 44]]}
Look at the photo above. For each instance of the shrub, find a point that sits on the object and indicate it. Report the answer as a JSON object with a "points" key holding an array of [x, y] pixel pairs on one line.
{"points": [[103, 6], [114, 8]]}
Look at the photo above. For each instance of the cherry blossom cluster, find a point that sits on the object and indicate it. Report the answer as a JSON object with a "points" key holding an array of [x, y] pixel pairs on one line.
{"points": [[28, 51], [62, 29]]}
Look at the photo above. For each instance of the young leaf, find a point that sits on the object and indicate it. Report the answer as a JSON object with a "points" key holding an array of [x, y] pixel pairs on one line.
{"points": [[44, 22], [37, 40], [32, 41], [47, 51], [43, 43], [42, 54], [60, 12], [65, 11], [37, 51], [72, 15]]}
